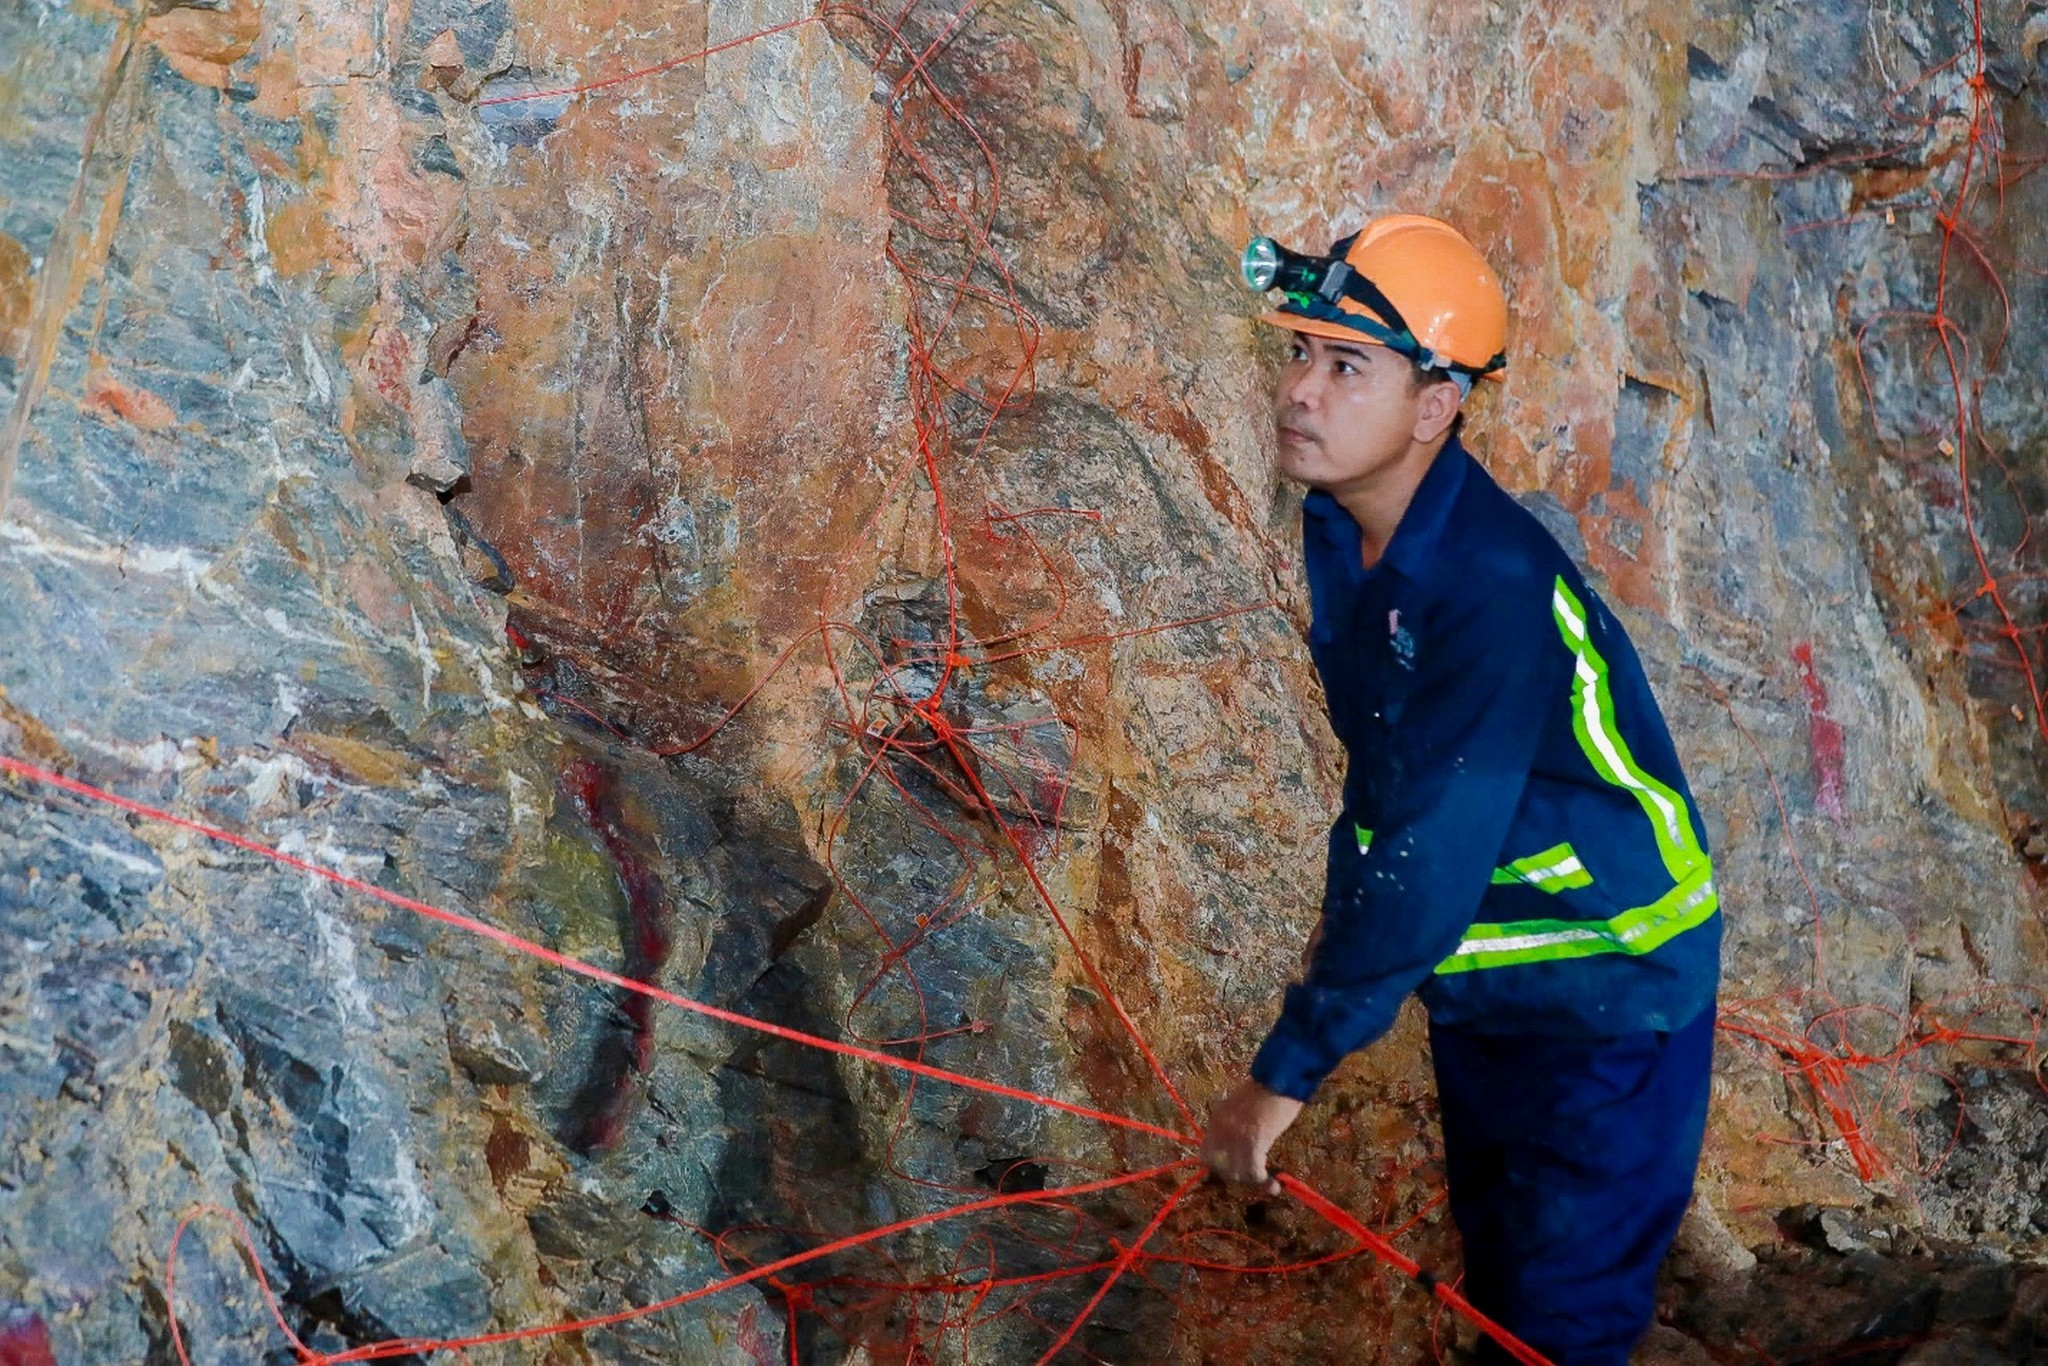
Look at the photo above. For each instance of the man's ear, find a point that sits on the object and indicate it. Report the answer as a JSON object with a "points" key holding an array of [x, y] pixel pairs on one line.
{"points": [[1438, 409]]}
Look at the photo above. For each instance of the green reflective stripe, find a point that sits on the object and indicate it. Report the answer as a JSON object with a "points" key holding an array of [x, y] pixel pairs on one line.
{"points": [[1691, 902], [1642, 930], [1556, 869], [1593, 720]]}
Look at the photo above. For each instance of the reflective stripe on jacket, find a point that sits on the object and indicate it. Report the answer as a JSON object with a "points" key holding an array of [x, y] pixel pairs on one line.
{"points": [[1518, 840]]}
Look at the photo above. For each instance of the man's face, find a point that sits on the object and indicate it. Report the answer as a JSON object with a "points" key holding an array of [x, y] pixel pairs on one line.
{"points": [[1344, 411]]}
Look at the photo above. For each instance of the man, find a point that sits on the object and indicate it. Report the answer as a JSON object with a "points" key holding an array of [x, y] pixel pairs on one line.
{"points": [[1517, 842]]}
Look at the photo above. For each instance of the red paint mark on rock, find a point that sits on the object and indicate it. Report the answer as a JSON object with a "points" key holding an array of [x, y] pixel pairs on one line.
{"points": [[24, 1341], [758, 1349], [644, 938], [1824, 735], [388, 363], [132, 404]]}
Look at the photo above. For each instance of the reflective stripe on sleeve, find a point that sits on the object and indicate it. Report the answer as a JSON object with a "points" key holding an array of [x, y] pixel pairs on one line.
{"points": [[1692, 902], [1593, 721], [1556, 869]]}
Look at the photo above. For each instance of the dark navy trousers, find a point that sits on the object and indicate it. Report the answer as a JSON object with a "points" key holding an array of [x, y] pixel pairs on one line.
{"points": [[1570, 1162]]}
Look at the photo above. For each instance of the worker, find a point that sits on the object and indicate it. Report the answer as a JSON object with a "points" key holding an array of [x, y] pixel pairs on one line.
{"points": [[1517, 842]]}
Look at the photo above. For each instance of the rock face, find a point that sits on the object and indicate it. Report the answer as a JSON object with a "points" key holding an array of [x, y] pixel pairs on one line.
{"points": [[412, 465]]}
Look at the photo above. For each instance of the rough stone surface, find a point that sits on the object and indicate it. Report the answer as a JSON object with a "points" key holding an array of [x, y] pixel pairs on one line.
{"points": [[385, 471]]}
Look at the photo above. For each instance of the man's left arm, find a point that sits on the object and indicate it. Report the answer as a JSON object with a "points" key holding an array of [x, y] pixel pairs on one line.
{"points": [[1489, 672]]}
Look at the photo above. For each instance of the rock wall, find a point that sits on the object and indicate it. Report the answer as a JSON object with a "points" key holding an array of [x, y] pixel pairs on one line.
{"points": [[411, 465]]}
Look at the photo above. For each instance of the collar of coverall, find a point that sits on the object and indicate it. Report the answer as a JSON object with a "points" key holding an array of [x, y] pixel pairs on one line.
{"points": [[1415, 539]]}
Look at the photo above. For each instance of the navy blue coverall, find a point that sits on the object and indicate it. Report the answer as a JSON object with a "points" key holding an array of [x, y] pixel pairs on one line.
{"points": [[1519, 845]]}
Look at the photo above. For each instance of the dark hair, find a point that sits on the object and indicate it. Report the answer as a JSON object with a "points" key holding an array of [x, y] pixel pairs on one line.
{"points": [[1420, 378]]}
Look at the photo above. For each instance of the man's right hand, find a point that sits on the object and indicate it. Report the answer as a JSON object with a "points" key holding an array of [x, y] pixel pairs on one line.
{"points": [[1242, 1129]]}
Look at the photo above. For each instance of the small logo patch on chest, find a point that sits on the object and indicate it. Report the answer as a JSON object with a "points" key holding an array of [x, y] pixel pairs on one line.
{"points": [[1400, 641]]}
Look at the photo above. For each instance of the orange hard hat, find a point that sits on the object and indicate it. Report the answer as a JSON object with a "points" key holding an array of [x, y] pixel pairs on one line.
{"points": [[1415, 285]]}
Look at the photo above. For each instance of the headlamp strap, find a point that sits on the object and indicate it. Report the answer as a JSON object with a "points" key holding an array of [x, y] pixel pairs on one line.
{"points": [[1341, 280], [1357, 288]]}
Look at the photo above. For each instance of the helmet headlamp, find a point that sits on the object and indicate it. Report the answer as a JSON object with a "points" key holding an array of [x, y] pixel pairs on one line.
{"points": [[1268, 265]]}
